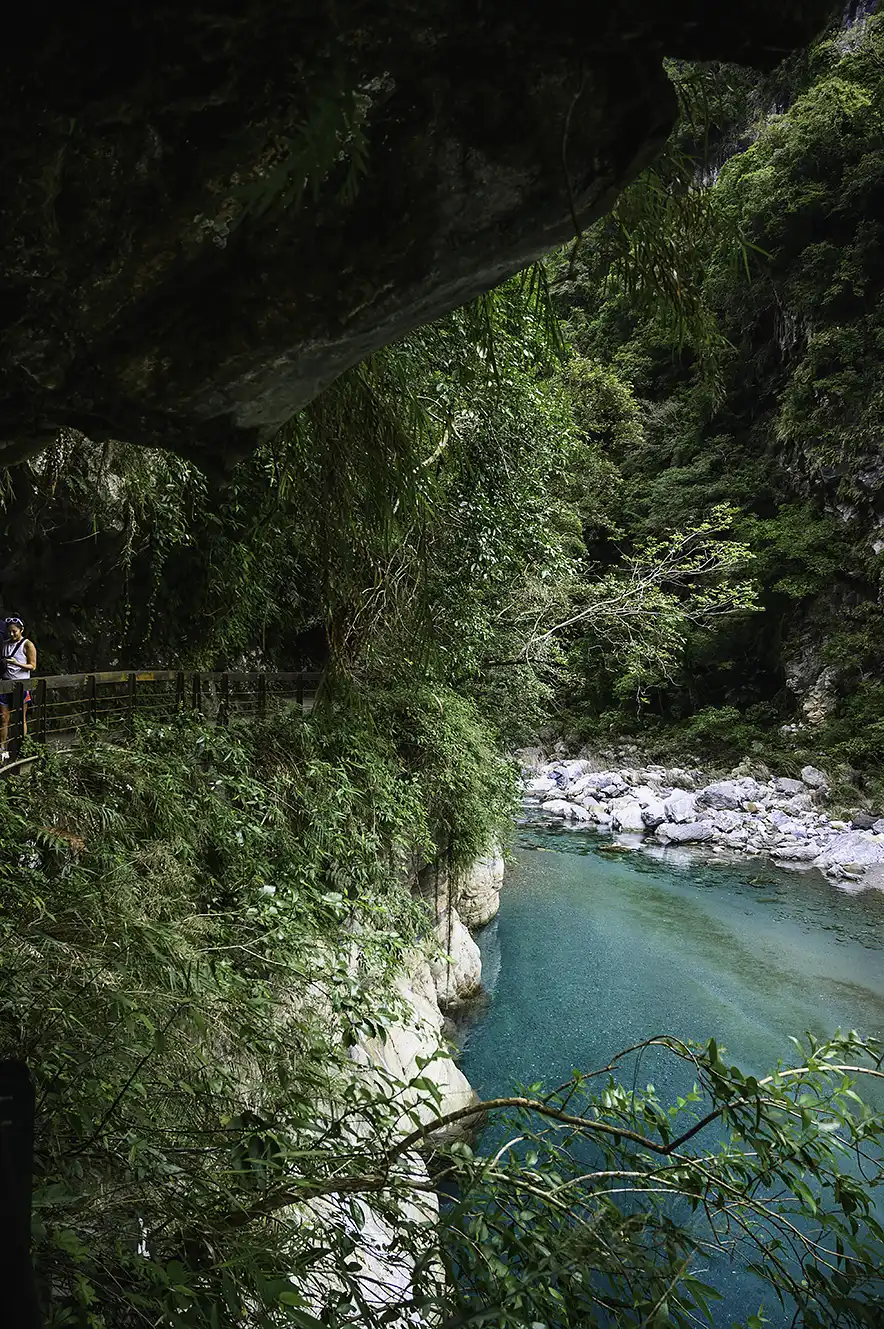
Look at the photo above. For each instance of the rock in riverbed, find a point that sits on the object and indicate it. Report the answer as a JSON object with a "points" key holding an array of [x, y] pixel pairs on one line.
{"points": [[751, 814]]}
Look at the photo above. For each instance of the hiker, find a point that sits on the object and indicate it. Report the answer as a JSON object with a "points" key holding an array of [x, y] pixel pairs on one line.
{"points": [[18, 660]]}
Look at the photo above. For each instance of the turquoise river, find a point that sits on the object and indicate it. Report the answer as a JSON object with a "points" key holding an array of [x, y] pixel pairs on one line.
{"points": [[593, 951]]}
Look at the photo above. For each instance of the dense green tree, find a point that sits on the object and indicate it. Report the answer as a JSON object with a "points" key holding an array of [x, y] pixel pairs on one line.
{"points": [[779, 417]]}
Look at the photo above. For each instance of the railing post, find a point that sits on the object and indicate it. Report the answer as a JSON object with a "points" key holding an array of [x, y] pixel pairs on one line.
{"points": [[299, 689], [262, 694], [40, 710], [92, 699], [130, 701], [224, 705], [179, 692], [18, 717]]}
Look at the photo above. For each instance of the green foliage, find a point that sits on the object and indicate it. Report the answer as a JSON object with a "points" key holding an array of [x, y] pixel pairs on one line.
{"points": [[330, 135], [789, 433], [179, 970], [197, 928], [606, 1204]]}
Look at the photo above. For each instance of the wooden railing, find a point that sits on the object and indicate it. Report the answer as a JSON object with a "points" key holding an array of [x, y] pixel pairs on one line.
{"points": [[63, 706]]}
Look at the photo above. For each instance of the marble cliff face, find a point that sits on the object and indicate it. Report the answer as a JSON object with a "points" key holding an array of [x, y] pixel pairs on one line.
{"points": [[208, 217]]}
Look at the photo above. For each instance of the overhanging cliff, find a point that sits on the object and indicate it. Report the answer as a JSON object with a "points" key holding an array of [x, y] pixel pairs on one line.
{"points": [[210, 215]]}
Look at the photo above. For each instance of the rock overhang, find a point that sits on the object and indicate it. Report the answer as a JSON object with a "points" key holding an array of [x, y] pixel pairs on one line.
{"points": [[144, 296]]}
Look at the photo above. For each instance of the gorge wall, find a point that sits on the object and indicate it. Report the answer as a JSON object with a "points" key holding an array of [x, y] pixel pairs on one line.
{"points": [[210, 216], [790, 436]]}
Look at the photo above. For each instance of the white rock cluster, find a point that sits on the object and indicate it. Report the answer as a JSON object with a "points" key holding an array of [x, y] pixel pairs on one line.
{"points": [[460, 902], [779, 818], [440, 973]]}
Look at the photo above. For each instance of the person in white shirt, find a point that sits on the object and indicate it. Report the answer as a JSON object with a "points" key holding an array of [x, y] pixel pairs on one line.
{"points": [[18, 660]]}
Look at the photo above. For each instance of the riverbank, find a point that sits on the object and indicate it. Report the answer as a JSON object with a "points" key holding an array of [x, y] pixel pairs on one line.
{"points": [[756, 815]]}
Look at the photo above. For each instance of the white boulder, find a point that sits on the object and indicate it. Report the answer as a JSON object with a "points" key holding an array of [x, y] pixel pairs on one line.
{"points": [[399, 1053], [729, 795], [783, 785], [561, 807], [680, 806], [478, 890], [725, 821], [693, 833], [796, 853], [851, 849], [644, 794], [626, 815], [457, 976], [653, 814]]}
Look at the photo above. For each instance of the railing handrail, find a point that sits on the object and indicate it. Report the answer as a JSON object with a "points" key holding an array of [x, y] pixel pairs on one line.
{"points": [[53, 715], [165, 676]]}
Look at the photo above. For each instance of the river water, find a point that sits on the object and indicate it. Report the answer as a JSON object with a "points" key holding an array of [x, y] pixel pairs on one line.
{"points": [[593, 951]]}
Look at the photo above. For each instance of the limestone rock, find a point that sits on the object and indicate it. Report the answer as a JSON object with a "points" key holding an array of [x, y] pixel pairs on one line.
{"points": [[851, 847], [458, 975], [729, 795], [626, 815], [164, 279], [653, 814], [725, 821], [418, 1036], [784, 785], [561, 807], [680, 807], [693, 833], [478, 890], [814, 778], [679, 779], [645, 794], [796, 853]]}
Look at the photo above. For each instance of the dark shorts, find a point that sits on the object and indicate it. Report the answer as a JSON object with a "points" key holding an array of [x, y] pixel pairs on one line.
{"points": [[7, 697]]}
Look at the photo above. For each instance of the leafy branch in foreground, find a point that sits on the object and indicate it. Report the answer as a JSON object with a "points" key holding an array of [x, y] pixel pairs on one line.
{"points": [[600, 1201], [598, 1204]]}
